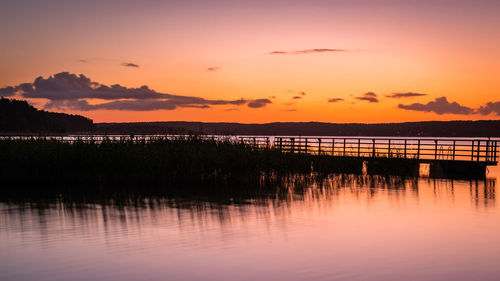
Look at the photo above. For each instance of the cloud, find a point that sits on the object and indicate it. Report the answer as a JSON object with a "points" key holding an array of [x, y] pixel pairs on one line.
{"points": [[439, 106], [369, 97], [302, 93], [259, 103], [291, 110], [404, 95], [83, 60], [490, 107], [10, 91], [134, 105], [309, 51], [129, 64], [213, 68], [296, 97], [66, 90], [335, 100]]}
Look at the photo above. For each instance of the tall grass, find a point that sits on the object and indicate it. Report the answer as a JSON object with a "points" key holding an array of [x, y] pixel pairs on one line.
{"points": [[163, 163]]}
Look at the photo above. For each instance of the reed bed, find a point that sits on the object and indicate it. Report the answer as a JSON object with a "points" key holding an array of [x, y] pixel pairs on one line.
{"points": [[163, 163]]}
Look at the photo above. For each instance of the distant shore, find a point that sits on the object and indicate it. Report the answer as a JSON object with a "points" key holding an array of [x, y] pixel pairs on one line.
{"points": [[481, 128]]}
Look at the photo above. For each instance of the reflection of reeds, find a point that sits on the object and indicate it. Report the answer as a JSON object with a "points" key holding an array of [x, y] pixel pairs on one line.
{"points": [[293, 186], [272, 189]]}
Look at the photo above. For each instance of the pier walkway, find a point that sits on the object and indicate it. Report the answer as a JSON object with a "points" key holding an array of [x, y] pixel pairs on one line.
{"points": [[426, 150], [445, 155]]}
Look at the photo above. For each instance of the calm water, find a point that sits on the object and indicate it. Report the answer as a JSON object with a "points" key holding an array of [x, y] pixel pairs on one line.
{"points": [[348, 228]]}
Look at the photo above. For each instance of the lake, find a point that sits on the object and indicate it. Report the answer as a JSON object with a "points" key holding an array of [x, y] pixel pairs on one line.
{"points": [[349, 227]]}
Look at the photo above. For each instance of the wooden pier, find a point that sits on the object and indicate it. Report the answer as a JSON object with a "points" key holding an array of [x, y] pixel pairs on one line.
{"points": [[460, 156]]}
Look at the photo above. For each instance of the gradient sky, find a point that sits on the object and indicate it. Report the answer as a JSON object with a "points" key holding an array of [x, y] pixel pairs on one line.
{"points": [[356, 53]]}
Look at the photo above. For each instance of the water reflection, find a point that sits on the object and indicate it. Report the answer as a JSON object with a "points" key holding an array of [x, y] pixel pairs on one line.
{"points": [[131, 209], [357, 227]]}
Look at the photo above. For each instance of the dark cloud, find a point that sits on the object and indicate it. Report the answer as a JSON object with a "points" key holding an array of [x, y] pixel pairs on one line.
{"points": [[335, 100], [83, 60], [439, 106], [8, 91], [135, 105], [129, 64], [213, 68], [66, 90], [141, 104], [490, 107], [309, 51], [296, 97], [302, 93], [291, 110], [19, 89], [405, 95], [259, 103], [369, 97], [272, 97]]}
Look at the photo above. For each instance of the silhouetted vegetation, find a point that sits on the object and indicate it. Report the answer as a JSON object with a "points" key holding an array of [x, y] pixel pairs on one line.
{"points": [[18, 116], [482, 128], [163, 163]]}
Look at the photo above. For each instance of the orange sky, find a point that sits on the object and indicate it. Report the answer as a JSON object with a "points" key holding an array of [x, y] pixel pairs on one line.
{"points": [[438, 48]]}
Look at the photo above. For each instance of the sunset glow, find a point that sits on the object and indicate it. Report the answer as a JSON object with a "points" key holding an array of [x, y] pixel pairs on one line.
{"points": [[284, 60]]}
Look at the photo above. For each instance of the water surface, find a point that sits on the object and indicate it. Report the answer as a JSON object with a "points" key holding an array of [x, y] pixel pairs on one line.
{"points": [[346, 228]]}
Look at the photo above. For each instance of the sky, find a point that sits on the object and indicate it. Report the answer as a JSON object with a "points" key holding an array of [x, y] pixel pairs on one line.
{"points": [[254, 61]]}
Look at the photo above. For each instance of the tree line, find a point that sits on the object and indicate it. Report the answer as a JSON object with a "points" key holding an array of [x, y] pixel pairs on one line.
{"points": [[17, 116]]}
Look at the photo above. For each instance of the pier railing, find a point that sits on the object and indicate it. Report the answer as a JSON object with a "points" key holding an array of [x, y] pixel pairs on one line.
{"points": [[424, 149]]}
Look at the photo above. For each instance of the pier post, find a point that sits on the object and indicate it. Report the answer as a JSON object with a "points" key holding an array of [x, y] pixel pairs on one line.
{"points": [[333, 147], [319, 146], [435, 149], [478, 150], [405, 150], [453, 150], [418, 149], [487, 150], [472, 152], [344, 146], [359, 147], [292, 140], [495, 154], [389, 149], [373, 149]]}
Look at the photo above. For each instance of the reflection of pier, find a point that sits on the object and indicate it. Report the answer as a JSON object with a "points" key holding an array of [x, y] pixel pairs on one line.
{"points": [[446, 156]]}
